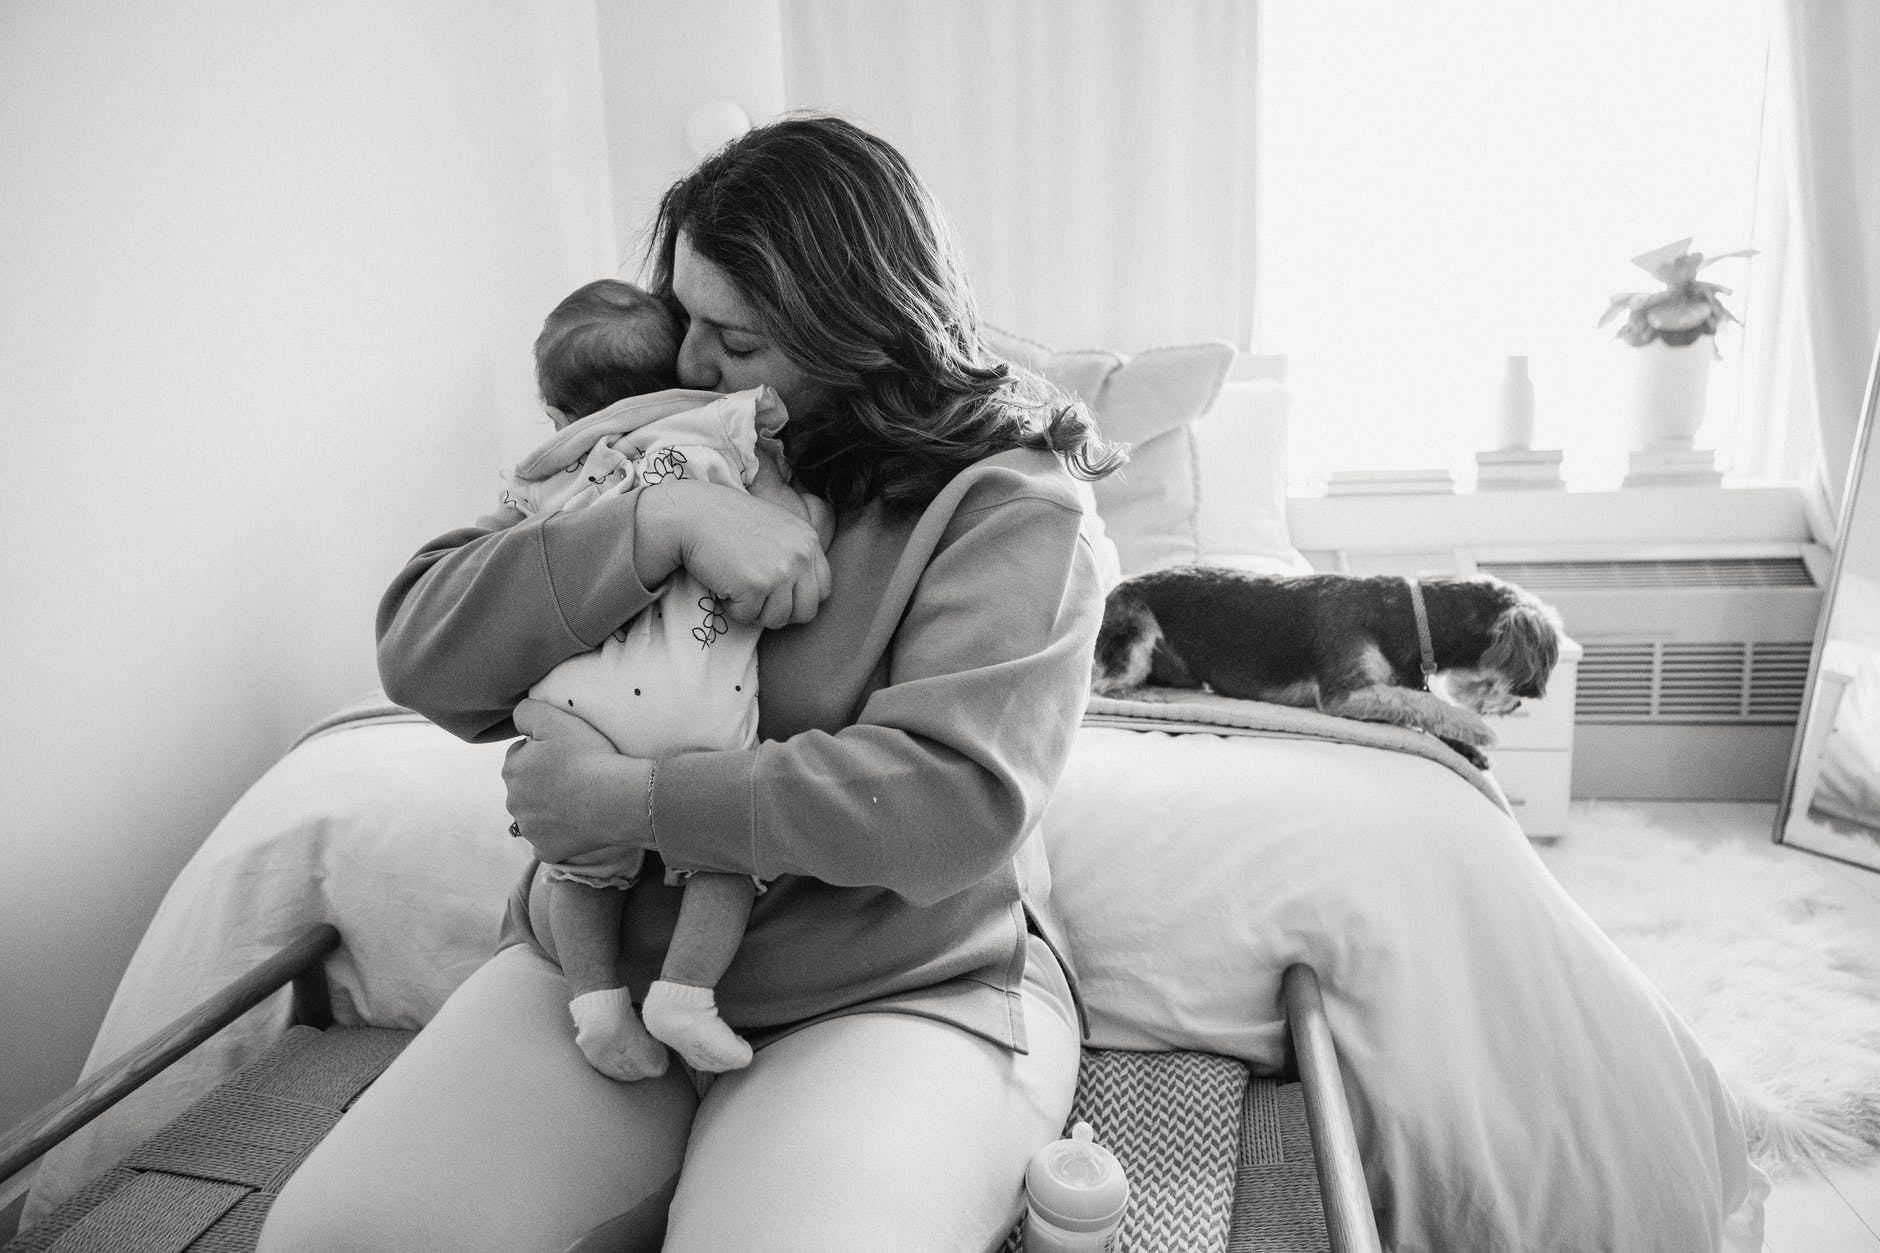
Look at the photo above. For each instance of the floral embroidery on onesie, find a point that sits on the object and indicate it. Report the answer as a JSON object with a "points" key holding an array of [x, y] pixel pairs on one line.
{"points": [[681, 674]]}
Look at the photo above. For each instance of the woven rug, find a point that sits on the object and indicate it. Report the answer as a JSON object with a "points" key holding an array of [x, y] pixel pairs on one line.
{"points": [[1756, 949], [1217, 1161]]}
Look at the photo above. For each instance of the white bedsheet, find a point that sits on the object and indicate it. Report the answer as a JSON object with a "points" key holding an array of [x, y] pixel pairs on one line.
{"points": [[1515, 1083]]}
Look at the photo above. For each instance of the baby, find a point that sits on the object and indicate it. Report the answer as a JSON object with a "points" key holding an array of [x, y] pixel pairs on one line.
{"points": [[679, 676]]}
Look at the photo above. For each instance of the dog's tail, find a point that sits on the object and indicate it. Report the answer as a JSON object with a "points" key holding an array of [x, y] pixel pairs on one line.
{"points": [[1125, 643]]}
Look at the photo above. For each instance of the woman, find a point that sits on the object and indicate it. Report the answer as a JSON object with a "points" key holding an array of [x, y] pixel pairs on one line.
{"points": [[921, 684]]}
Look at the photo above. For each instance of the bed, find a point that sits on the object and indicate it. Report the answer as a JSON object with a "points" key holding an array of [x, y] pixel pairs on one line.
{"points": [[1513, 1082]]}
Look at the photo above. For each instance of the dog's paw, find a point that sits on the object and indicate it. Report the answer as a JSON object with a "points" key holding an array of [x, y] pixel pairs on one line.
{"points": [[1469, 753], [1464, 725], [1159, 695]]}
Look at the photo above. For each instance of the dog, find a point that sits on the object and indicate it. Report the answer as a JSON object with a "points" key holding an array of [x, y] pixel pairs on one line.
{"points": [[1347, 645]]}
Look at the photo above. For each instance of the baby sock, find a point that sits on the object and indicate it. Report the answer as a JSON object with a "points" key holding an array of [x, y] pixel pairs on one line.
{"points": [[611, 1037], [687, 1018]]}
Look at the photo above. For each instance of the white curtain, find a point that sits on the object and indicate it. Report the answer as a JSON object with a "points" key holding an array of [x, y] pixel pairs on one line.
{"points": [[1095, 160], [1819, 301]]}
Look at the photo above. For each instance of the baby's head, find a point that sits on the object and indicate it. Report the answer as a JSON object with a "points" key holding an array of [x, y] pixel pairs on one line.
{"points": [[605, 342]]}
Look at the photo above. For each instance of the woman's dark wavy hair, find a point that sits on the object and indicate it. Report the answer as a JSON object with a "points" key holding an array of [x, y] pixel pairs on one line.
{"points": [[828, 234]]}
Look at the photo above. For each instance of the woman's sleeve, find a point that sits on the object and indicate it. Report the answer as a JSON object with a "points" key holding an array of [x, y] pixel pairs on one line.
{"points": [[480, 614], [951, 762]]}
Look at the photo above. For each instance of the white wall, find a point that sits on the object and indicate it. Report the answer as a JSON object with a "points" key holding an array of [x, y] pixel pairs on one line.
{"points": [[270, 274], [664, 61]]}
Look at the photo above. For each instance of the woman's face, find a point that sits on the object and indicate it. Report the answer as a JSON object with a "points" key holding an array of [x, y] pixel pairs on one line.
{"points": [[726, 348]]}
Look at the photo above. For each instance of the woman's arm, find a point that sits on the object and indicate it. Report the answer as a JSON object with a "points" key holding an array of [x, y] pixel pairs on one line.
{"points": [[950, 764], [479, 615]]}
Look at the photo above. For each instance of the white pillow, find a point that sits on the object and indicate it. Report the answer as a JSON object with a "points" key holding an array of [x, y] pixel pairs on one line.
{"points": [[1109, 560], [1240, 444], [1172, 505]]}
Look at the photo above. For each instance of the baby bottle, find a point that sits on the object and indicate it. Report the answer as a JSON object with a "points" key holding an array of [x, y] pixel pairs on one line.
{"points": [[1075, 1194]]}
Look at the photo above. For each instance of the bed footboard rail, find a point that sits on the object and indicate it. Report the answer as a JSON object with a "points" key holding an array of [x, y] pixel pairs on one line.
{"points": [[299, 963], [1350, 1224]]}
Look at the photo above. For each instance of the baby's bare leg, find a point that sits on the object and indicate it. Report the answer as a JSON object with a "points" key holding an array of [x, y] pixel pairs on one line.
{"points": [[585, 922], [680, 1007]]}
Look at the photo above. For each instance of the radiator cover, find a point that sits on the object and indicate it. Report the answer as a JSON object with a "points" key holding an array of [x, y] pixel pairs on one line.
{"points": [[1691, 682]]}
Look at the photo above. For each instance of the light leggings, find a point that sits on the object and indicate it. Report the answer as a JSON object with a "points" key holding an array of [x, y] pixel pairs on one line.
{"points": [[873, 1131]]}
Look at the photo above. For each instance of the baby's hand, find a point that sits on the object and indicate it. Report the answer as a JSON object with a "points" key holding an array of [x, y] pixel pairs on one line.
{"points": [[769, 485], [821, 516]]}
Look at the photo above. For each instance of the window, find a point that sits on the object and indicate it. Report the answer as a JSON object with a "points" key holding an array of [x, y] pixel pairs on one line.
{"points": [[1446, 183]]}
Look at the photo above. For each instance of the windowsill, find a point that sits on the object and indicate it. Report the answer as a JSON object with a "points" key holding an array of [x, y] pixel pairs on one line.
{"points": [[1739, 515]]}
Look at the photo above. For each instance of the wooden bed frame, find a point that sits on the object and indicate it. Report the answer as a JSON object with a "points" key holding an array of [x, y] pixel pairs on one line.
{"points": [[1350, 1225]]}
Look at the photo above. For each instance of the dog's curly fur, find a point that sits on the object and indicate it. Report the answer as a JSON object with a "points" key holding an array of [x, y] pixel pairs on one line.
{"points": [[1343, 644]]}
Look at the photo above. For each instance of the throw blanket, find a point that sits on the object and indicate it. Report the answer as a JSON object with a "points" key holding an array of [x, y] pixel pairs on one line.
{"points": [[1183, 710]]}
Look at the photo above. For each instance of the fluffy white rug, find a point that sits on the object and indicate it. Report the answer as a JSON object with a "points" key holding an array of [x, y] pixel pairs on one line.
{"points": [[1754, 948]]}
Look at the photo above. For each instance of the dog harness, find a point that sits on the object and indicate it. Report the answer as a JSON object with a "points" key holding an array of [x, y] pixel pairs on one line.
{"points": [[1423, 631]]}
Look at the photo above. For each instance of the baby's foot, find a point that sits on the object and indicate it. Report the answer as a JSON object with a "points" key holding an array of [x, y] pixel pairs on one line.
{"points": [[687, 1018], [611, 1037]]}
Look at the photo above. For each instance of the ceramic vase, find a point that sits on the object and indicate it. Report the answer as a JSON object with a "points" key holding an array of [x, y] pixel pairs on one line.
{"points": [[1514, 410], [1668, 390]]}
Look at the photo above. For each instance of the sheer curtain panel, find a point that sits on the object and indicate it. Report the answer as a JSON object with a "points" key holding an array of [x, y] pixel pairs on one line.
{"points": [[1821, 236], [1095, 160]]}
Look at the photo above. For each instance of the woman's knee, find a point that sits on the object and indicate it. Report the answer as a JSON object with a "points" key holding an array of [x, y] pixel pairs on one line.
{"points": [[877, 1131]]}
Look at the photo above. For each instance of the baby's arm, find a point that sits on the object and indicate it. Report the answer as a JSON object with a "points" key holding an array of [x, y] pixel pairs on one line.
{"points": [[770, 485]]}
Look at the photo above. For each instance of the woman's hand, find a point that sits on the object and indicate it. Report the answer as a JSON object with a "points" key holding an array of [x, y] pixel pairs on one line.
{"points": [[573, 798], [766, 563]]}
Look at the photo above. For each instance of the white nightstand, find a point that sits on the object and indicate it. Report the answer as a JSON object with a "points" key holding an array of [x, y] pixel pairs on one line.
{"points": [[1533, 758]]}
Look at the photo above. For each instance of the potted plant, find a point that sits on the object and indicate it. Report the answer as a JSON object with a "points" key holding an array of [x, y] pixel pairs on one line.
{"points": [[1681, 312], [1670, 372]]}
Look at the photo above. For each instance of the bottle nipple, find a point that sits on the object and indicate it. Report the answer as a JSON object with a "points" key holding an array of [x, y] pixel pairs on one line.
{"points": [[1077, 1162], [1076, 1184]]}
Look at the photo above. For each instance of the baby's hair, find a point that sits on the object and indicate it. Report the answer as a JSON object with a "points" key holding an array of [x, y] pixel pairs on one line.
{"points": [[606, 341]]}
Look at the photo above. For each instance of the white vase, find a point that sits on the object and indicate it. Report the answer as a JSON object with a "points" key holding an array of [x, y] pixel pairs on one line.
{"points": [[1514, 412], [1668, 390]]}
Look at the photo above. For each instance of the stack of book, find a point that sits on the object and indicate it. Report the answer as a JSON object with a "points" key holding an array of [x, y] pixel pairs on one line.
{"points": [[1389, 482], [1672, 467], [1517, 467]]}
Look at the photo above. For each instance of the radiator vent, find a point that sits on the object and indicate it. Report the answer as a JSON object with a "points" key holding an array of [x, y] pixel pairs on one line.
{"points": [[1665, 682], [1655, 575]]}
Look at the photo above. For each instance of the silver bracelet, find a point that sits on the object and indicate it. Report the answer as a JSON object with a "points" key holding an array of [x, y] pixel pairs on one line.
{"points": [[652, 772]]}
